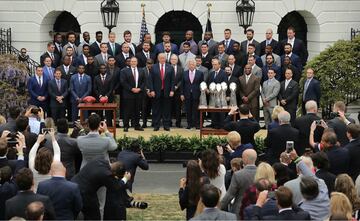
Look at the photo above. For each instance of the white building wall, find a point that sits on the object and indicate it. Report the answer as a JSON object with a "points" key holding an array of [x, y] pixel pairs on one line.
{"points": [[32, 20]]}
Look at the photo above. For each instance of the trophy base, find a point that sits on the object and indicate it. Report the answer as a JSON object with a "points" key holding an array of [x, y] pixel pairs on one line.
{"points": [[225, 107], [203, 107]]}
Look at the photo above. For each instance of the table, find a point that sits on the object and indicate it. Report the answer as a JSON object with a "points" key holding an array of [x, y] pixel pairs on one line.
{"points": [[100, 106], [212, 131]]}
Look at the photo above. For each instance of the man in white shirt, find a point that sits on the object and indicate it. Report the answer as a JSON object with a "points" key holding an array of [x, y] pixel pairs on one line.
{"points": [[186, 56], [127, 40]]}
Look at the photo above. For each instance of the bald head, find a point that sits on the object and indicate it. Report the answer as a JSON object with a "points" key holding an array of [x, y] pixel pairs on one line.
{"points": [[57, 169], [249, 157]]}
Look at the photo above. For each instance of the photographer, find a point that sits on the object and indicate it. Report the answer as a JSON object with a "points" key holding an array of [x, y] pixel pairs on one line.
{"points": [[233, 149], [36, 119], [12, 140]]}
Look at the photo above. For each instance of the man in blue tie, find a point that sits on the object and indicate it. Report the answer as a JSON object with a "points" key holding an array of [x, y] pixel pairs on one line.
{"points": [[312, 90], [48, 69], [58, 91]]}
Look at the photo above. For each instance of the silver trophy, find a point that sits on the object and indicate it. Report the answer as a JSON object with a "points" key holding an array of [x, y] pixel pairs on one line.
{"points": [[203, 101], [218, 96], [233, 101], [223, 95], [212, 89]]}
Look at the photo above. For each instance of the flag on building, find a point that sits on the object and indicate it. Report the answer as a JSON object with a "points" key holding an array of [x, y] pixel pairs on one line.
{"points": [[143, 29], [208, 23]]}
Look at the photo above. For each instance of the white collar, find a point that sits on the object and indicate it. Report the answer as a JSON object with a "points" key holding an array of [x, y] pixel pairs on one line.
{"points": [[285, 209], [204, 55]]}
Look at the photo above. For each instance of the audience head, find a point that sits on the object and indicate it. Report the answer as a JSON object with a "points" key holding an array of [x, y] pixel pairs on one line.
{"points": [[210, 195], [321, 160], [281, 173], [236, 164], [345, 185], [35, 211], [309, 188], [210, 162], [118, 169], [308, 162], [14, 112], [24, 179], [135, 146], [57, 169], [339, 106], [284, 117], [263, 184], [3, 147], [329, 139], [340, 207], [283, 197], [353, 131], [244, 110], [234, 139], [311, 107], [249, 157], [5, 174], [264, 170], [94, 121], [49, 122], [193, 176], [62, 126], [22, 123], [2, 120], [43, 160], [277, 109]]}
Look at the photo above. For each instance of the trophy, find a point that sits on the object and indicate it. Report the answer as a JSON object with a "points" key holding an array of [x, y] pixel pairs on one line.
{"points": [[218, 96], [233, 101], [223, 95], [212, 88], [203, 101]]}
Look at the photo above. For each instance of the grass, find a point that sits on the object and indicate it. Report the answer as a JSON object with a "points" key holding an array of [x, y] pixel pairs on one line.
{"points": [[161, 207]]}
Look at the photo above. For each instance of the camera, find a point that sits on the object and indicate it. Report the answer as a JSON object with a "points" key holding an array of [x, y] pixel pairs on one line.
{"points": [[224, 147], [46, 130], [139, 205], [289, 146], [318, 122], [334, 114], [35, 110], [12, 141]]}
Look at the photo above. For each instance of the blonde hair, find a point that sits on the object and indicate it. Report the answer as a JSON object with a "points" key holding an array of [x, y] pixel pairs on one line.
{"points": [[265, 171], [2, 120], [277, 109], [49, 122], [340, 204], [345, 185], [233, 138]]}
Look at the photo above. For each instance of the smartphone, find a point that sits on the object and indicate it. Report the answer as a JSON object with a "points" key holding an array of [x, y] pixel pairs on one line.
{"points": [[47, 130], [289, 146], [318, 122], [271, 194]]}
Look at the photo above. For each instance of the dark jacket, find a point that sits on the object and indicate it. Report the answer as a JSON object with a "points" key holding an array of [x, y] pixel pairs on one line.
{"points": [[189, 89], [353, 148], [339, 159], [128, 82], [155, 80], [245, 127]]}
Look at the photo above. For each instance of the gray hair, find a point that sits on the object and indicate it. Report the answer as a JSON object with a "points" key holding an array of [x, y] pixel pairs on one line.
{"points": [[310, 105], [284, 117]]}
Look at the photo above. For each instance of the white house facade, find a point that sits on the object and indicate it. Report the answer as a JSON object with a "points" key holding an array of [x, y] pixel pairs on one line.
{"points": [[324, 21]]}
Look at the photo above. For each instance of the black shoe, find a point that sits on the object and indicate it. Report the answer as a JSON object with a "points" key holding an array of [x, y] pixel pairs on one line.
{"points": [[139, 128], [179, 126], [188, 127], [197, 128], [156, 129], [144, 126], [167, 128], [126, 129]]}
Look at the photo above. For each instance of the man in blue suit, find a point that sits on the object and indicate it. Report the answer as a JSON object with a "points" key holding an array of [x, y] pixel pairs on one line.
{"points": [[295, 59], [58, 91], [162, 86], [48, 69], [64, 195], [82, 58], [80, 87], [190, 93], [312, 90], [228, 42], [159, 48], [38, 89]]}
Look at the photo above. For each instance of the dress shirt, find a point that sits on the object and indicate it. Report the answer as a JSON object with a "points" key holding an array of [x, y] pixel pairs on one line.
{"points": [[287, 83], [147, 54], [204, 55], [66, 68], [247, 77], [291, 41], [85, 59], [125, 55]]}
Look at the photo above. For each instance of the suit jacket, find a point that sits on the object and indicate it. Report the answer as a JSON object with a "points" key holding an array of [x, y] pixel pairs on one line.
{"points": [[159, 48], [256, 70], [295, 60], [220, 77], [116, 79], [223, 59], [214, 214], [203, 70], [270, 91], [229, 49], [94, 49], [339, 160], [277, 59], [54, 62], [155, 80], [193, 47], [67, 75], [121, 60], [99, 60], [353, 148], [178, 79], [36, 90], [183, 58], [206, 60], [117, 49], [340, 129], [189, 89], [273, 43], [49, 73], [290, 94], [16, 206], [250, 90], [142, 58], [298, 48], [237, 71], [265, 70], [299, 214], [79, 90], [212, 44], [80, 60], [244, 44], [70, 153], [240, 182], [54, 91], [303, 124], [313, 91], [64, 195], [93, 146], [276, 141], [104, 89], [128, 82], [328, 178], [74, 49], [7, 191], [247, 128], [57, 51]]}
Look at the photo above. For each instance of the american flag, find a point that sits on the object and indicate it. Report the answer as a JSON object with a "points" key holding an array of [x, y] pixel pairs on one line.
{"points": [[143, 29]]}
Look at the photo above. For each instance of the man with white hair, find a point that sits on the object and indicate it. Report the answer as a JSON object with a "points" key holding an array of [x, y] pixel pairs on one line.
{"points": [[303, 124], [277, 137]]}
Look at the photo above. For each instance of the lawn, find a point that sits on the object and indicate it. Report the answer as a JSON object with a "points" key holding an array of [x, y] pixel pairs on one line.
{"points": [[161, 207]]}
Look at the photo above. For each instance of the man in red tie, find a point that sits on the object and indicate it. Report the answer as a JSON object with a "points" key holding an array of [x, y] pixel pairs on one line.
{"points": [[161, 83]]}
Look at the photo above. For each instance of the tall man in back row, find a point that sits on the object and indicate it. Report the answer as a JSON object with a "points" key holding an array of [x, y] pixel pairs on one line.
{"points": [[162, 88]]}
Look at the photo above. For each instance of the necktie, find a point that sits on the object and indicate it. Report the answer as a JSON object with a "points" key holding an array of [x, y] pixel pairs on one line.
{"points": [[40, 83], [192, 76], [58, 84], [66, 69], [306, 87], [247, 78], [105, 59], [50, 73], [81, 78], [226, 44], [215, 74], [175, 70], [162, 73], [167, 57], [52, 56], [113, 48], [103, 79]]}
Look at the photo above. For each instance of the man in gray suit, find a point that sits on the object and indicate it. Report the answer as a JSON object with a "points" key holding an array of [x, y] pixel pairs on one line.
{"points": [[185, 56], [208, 39], [209, 196], [255, 70], [240, 182], [71, 38], [201, 68], [269, 93], [103, 57]]}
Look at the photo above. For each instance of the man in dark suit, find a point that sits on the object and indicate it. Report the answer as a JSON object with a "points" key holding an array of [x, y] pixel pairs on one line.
{"points": [[132, 158], [103, 87], [322, 165], [228, 42], [67, 70], [162, 87], [95, 47], [58, 91], [353, 147], [147, 100], [91, 69], [303, 124], [37, 87], [277, 138], [82, 58], [289, 94], [232, 79], [190, 93], [160, 48], [127, 40], [210, 42], [206, 57], [113, 47], [284, 202], [270, 65], [133, 84], [268, 41], [250, 40], [144, 54], [58, 44], [298, 46], [48, 70], [247, 126], [217, 76], [64, 195], [147, 39], [103, 57], [16, 206], [312, 90], [235, 69], [121, 57], [50, 52], [176, 103], [295, 59], [71, 38]]}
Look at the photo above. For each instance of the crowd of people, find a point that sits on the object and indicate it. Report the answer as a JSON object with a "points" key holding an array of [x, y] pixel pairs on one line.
{"points": [[164, 79]]}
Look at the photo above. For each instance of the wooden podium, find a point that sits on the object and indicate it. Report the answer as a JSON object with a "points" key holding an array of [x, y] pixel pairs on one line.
{"points": [[99, 107]]}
